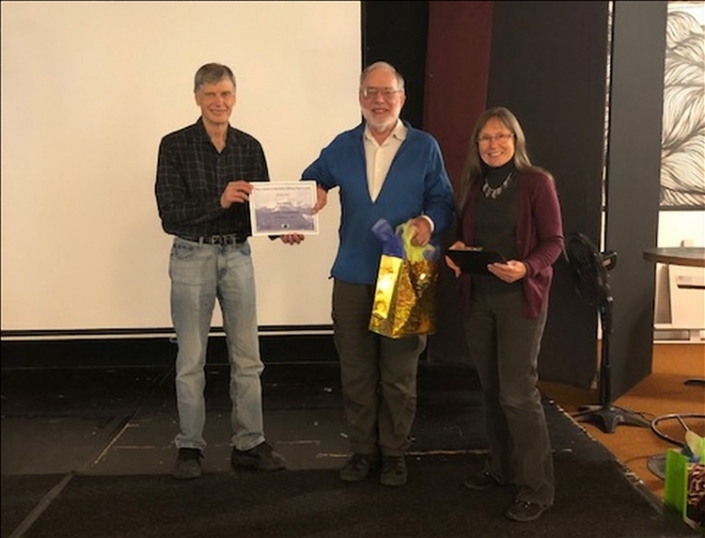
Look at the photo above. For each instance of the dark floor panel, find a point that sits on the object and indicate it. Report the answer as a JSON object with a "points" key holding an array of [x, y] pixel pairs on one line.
{"points": [[20, 495], [593, 500], [109, 390], [41, 445], [84, 392]]}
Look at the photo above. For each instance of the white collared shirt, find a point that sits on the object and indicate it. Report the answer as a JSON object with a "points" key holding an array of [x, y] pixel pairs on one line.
{"points": [[379, 157]]}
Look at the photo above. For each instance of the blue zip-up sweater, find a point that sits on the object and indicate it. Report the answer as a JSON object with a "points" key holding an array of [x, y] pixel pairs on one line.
{"points": [[416, 184]]}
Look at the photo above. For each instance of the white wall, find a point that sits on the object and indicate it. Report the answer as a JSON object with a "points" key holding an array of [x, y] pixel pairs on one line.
{"points": [[679, 308], [88, 90]]}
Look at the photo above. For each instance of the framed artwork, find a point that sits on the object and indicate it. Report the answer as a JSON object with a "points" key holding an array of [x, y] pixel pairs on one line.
{"points": [[683, 130]]}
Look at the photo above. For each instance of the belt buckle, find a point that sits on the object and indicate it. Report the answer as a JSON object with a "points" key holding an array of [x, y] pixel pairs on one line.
{"points": [[228, 239]]}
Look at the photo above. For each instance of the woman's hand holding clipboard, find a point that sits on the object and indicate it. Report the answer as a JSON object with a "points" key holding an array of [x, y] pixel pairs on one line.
{"points": [[472, 260], [477, 261]]}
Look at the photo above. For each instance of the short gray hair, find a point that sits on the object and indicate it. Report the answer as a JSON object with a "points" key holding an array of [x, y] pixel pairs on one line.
{"points": [[212, 73], [383, 65]]}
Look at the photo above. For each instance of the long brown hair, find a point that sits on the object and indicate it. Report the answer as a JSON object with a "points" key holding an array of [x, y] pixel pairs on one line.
{"points": [[472, 170]]}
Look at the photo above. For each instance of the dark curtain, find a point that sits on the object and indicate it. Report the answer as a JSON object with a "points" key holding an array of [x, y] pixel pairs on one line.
{"points": [[395, 32]]}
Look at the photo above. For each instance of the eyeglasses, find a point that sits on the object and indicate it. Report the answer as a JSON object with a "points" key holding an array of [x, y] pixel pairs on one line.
{"points": [[501, 137], [371, 93]]}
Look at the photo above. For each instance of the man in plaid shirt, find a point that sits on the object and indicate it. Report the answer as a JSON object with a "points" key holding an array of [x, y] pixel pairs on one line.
{"points": [[204, 176]]}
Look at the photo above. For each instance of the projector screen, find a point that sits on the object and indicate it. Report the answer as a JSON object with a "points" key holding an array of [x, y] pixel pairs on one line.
{"points": [[89, 89]]}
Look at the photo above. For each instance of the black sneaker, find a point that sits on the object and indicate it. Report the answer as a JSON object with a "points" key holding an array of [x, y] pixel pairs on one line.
{"points": [[188, 464], [358, 467], [480, 480], [262, 457], [525, 511], [393, 471]]}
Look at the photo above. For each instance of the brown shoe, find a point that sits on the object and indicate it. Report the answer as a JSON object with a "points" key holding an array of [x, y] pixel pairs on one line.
{"points": [[358, 467], [188, 464], [262, 457], [393, 471], [480, 480], [524, 511]]}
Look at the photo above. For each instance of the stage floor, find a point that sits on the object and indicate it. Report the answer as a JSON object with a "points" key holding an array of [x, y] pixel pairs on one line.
{"points": [[84, 449]]}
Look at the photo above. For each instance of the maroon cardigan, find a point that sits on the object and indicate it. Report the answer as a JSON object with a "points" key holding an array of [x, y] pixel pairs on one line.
{"points": [[539, 237]]}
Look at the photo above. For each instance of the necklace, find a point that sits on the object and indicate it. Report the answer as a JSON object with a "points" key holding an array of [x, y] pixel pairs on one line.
{"points": [[494, 193]]}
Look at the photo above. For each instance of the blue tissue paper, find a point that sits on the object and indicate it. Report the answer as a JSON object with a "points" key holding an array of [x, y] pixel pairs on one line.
{"points": [[391, 242]]}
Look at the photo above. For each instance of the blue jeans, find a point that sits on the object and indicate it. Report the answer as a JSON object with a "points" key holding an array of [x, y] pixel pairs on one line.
{"points": [[199, 274]]}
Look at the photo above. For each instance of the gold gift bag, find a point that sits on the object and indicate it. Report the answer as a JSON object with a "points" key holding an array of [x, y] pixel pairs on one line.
{"points": [[404, 303]]}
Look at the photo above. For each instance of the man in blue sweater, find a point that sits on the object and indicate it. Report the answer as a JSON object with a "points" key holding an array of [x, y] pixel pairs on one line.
{"points": [[384, 169]]}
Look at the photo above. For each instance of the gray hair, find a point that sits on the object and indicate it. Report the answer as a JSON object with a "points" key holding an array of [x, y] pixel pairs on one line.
{"points": [[382, 65], [212, 73]]}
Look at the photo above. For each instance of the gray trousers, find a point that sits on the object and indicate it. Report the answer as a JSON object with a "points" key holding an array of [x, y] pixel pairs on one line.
{"points": [[378, 375], [504, 346]]}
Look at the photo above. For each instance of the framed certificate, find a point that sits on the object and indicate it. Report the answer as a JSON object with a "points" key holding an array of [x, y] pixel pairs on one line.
{"points": [[283, 207]]}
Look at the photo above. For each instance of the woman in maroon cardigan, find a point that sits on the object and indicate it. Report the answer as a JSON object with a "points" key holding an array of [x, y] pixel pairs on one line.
{"points": [[507, 205]]}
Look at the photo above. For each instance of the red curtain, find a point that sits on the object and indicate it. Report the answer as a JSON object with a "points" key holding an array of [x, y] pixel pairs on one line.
{"points": [[457, 73], [455, 93]]}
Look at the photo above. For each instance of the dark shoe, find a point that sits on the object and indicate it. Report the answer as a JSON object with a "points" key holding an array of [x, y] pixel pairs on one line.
{"points": [[525, 511], [393, 471], [480, 480], [262, 457], [188, 464], [358, 467]]}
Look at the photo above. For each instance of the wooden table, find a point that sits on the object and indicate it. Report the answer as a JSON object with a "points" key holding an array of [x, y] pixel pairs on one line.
{"points": [[691, 256]]}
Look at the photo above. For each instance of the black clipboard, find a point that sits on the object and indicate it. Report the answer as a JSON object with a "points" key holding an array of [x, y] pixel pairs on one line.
{"points": [[474, 262]]}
